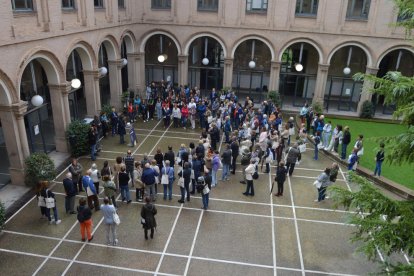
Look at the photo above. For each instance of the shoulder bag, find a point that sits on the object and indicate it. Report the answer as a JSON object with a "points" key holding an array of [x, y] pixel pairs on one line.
{"points": [[164, 177], [116, 219], [50, 201]]}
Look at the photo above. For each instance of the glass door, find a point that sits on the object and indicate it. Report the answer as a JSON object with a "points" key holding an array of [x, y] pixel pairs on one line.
{"points": [[40, 129]]}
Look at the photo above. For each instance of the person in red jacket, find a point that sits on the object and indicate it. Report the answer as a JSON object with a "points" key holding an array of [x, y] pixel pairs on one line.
{"points": [[131, 114], [184, 116]]}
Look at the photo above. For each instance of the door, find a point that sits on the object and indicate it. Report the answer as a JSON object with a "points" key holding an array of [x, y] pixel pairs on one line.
{"points": [[40, 129]]}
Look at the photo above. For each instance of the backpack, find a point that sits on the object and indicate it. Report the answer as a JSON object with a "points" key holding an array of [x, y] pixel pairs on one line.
{"points": [[255, 175], [317, 140], [200, 184], [245, 160]]}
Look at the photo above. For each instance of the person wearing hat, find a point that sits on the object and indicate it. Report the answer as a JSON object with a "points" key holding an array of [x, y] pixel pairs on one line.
{"points": [[292, 155], [245, 161]]}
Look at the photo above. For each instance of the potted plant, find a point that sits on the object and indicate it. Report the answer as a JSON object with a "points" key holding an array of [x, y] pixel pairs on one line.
{"points": [[39, 167]]}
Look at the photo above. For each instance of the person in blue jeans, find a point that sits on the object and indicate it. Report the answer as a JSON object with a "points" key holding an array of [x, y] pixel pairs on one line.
{"points": [[317, 140], [346, 139], [123, 179], [168, 171], [46, 193], [379, 158], [93, 137], [205, 193], [114, 121]]}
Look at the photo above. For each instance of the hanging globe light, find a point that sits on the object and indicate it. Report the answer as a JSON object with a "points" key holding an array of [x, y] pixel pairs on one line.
{"points": [[103, 71], [124, 61], [161, 58], [252, 64], [75, 83], [298, 67], [205, 61], [347, 70], [37, 100]]}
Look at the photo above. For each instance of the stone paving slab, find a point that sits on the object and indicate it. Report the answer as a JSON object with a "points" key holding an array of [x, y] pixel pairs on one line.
{"points": [[13, 264], [285, 237], [201, 267]]}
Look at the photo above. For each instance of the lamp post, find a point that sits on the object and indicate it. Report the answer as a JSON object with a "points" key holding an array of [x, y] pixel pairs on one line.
{"points": [[36, 100], [252, 63], [299, 66], [205, 60], [347, 70], [162, 57]]}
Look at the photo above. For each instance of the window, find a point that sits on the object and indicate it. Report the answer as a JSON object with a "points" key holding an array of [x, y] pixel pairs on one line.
{"points": [[121, 4], [207, 5], [256, 5], [161, 4], [99, 3], [22, 5], [68, 4], [307, 7], [358, 9]]}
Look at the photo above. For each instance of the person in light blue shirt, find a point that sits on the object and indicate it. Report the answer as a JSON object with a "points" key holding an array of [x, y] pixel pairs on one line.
{"points": [[167, 170], [108, 212]]}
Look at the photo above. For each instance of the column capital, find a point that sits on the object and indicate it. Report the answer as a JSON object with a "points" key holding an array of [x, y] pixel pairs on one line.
{"points": [[117, 63], [228, 61], [182, 58], [19, 108], [371, 70], [275, 64], [64, 88], [93, 73], [323, 67], [136, 55]]}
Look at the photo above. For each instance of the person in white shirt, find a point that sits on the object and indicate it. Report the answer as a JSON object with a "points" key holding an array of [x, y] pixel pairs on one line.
{"points": [[327, 129], [95, 175], [176, 113], [251, 168]]}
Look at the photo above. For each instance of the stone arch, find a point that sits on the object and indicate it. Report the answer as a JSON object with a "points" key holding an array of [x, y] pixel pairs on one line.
{"points": [[407, 47], [7, 91], [299, 40], [130, 41], [85, 52], [245, 38], [50, 63], [195, 36], [112, 47], [352, 43], [155, 32]]}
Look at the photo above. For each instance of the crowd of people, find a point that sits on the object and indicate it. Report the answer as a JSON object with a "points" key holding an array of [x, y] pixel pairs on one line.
{"points": [[258, 136]]}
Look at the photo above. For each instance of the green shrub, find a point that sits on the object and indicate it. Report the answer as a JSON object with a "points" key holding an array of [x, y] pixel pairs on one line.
{"points": [[107, 108], [77, 135], [2, 215], [317, 107], [274, 96], [39, 167], [367, 110]]}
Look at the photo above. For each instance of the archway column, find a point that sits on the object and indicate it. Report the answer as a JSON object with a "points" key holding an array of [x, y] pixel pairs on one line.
{"points": [[182, 69], [92, 92], [140, 73], [366, 95], [115, 82], [321, 80], [274, 75], [61, 113], [133, 71], [228, 72], [12, 120]]}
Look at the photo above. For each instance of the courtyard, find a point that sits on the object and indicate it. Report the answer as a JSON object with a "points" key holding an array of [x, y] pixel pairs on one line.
{"points": [[239, 235]]}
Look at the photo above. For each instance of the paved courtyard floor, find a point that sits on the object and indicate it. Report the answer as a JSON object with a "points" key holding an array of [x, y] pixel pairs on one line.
{"points": [[238, 235]]}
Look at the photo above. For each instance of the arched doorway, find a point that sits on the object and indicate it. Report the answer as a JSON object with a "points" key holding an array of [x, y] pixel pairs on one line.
{"points": [[76, 97], [252, 78], [298, 74], [104, 85], [39, 123], [208, 74], [400, 60], [161, 60], [342, 92], [4, 160]]}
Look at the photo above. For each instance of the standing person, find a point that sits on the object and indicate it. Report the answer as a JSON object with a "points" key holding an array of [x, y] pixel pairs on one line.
{"points": [[91, 192], [227, 128], [85, 220], [76, 170], [139, 185], [186, 174], [184, 116], [280, 178], [192, 110], [215, 166], [158, 108], [333, 137], [148, 178], [234, 154], [205, 193], [108, 212], [360, 146], [71, 192], [176, 113], [159, 158], [170, 156], [148, 212], [198, 167], [317, 140], [226, 161], [303, 113], [166, 112], [156, 169], [292, 155], [352, 160], [379, 158], [92, 138], [129, 161], [338, 138], [214, 132], [123, 185], [46, 193], [323, 182], [327, 129], [167, 173], [114, 121], [117, 168], [245, 162], [251, 168], [109, 189], [121, 130], [106, 170], [268, 156], [95, 175], [346, 139]]}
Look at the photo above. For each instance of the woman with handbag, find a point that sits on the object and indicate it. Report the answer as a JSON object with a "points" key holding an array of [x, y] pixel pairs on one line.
{"points": [[124, 180], [109, 189], [205, 192], [109, 212], [185, 178], [85, 220], [167, 179], [148, 212], [50, 203], [139, 185], [322, 182]]}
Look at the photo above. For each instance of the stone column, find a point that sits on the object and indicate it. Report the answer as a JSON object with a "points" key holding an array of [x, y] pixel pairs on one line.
{"points": [[115, 82], [61, 113], [92, 92], [228, 72], [182, 69], [366, 95], [274, 75], [140, 73], [133, 71], [320, 86], [12, 120]]}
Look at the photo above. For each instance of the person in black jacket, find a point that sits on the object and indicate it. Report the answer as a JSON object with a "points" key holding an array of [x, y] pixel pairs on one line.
{"points": [[170, 155], [121, 130], [200, 150], [345, 142], [71, 191], [379, 158], [46, 193], [148, 221], [186, 174], [85, 220], [234, 153], [215, 135], [226, 161], [280, 178], [92, 138]]}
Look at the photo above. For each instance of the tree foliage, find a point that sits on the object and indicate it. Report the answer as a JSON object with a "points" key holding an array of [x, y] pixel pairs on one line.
{"points": [[381, 223], [405, 10], [77, 135], [39, 167]]}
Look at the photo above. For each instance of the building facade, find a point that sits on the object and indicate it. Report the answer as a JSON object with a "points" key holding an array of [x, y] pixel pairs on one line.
{"points": [[306, 49]]}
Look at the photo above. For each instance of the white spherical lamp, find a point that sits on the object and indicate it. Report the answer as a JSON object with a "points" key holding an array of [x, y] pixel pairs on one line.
{"points": [[168, 78], [37, 100], [252, 64], [347, 70], [205, 61], [103, 71], [75, 83], [161, 58], [124, 61], [298, 67]]}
